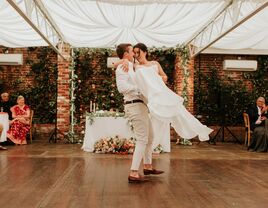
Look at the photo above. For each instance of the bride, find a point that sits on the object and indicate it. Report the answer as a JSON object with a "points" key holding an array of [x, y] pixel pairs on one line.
{"points": [[165, 105]]}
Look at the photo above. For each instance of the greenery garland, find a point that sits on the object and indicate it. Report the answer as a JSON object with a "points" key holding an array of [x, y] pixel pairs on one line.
{"points": [[91, 116], [73, 85], [259, 79], [184, 61]]}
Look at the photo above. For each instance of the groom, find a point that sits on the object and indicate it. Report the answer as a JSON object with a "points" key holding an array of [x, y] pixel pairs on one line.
{"points": [[137, 112]]}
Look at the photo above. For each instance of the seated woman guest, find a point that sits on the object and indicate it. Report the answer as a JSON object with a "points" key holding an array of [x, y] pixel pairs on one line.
{"points": [[259, 126], [20, 124]]}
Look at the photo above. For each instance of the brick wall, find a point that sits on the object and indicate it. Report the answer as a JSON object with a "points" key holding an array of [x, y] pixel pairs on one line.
{"points": [[63, 100], [204, 62], [15, 78], [18, 78]]}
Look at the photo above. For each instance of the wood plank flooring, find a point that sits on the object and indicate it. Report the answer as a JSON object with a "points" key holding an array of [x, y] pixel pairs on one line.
{"points": [[62, 175]]}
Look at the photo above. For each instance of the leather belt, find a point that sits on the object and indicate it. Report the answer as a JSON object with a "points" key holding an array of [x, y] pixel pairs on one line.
{"points": [[133, 101]]}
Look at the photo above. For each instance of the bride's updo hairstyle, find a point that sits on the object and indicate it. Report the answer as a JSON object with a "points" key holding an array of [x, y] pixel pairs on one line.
{"points": [[142, 47]]}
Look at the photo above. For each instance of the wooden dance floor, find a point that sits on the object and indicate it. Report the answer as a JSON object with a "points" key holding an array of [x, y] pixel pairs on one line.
{"points": [[62, 175]]}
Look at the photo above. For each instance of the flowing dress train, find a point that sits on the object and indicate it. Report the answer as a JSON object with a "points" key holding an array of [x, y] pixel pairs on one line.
{"points": [[166, 106]]}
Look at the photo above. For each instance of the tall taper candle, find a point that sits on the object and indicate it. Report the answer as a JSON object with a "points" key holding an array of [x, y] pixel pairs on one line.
{"points": [[90, 106], [94, 107]]}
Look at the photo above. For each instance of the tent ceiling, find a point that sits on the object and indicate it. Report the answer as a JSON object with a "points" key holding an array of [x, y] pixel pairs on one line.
{"points": [[228, 19], [103, 23], [253, 34]]}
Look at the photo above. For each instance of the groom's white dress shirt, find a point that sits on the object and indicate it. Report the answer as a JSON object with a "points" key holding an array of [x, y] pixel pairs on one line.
{"points": [[137, 113], [126, 83]]}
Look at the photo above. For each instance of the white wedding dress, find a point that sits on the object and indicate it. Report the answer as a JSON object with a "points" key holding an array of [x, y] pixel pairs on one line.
{"points": [[166, 106]]}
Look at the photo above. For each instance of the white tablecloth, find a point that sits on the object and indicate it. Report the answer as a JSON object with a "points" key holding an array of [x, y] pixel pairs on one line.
{"points": [[110, 126], [4, 121]]}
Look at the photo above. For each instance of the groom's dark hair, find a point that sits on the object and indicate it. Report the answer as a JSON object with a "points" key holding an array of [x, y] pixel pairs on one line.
{"points": [[121, 49]]}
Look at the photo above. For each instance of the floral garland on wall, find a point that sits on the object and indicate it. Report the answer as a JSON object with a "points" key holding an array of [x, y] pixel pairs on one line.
{"points": [[184, 61], [72, 137]]}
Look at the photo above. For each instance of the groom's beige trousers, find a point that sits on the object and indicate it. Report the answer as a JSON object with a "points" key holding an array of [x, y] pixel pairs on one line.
{"points": [[137, 113]]}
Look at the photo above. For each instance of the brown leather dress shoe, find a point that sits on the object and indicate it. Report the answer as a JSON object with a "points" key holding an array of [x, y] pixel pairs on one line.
{"points": [[153, 172], [140, 179]]}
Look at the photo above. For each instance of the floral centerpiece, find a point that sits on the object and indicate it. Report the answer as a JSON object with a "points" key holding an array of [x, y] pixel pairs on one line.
{"points": [[158, 149], [115, 145], [185, 142]]}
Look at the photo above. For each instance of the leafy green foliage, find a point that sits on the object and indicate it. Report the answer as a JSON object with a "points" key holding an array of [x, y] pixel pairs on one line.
{"points": [[167, 61], [223, 100], [166, 57], [95, 82], [259, 79], [42, 95]]}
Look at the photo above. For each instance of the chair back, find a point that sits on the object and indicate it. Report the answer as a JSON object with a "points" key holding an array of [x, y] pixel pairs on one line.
{"points": [[31, 117], [31, 125], [247, 128], [1, 129], [246, 121]]}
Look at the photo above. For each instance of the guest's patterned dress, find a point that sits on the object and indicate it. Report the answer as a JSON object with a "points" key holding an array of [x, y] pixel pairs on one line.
{"points": [[18, 130]]}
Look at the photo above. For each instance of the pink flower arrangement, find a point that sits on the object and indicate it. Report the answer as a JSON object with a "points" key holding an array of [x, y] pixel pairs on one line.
{"points": [[115, 145]]}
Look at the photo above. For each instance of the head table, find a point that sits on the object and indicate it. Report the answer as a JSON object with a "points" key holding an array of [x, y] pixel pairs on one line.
{"points": [[5, 122], [103, 127]]}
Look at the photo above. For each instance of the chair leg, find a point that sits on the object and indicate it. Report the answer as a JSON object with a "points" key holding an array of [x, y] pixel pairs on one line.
{"points": [[31, 136]]}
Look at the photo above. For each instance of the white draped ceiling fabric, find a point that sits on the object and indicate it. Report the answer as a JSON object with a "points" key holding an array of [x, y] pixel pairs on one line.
{"points": [[106, 23]]}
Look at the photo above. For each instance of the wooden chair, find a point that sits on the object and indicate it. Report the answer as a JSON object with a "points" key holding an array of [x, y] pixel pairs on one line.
{"points": [[1, 129], [247, 129], [31, 126]]}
